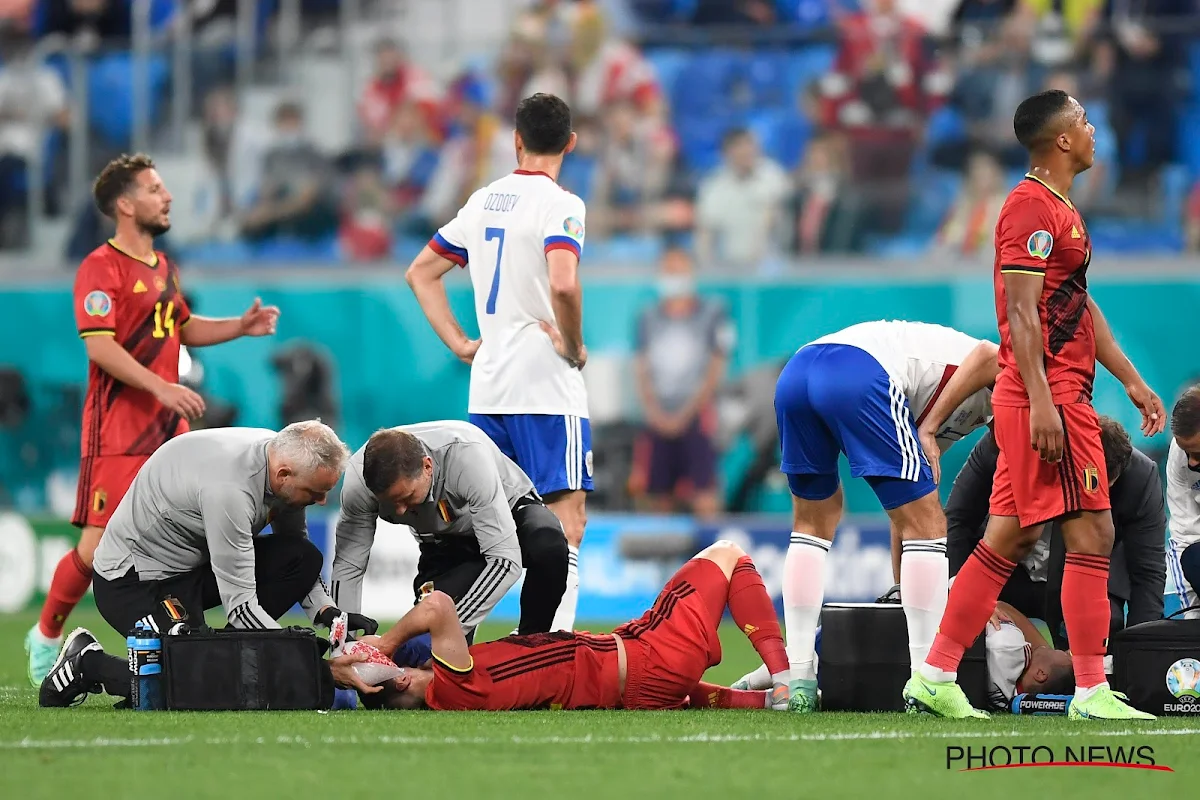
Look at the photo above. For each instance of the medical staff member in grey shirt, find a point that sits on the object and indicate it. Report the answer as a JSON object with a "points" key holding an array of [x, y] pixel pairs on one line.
{"points": [[185, 538], [474, 512]]}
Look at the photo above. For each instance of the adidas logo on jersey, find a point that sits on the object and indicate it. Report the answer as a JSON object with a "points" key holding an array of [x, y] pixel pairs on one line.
{"points": [[139, 287], [1074, 232]]}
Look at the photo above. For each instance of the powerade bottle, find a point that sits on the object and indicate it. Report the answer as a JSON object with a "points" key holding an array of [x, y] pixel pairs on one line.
{"points": [[1042, 705], [145, 668]]}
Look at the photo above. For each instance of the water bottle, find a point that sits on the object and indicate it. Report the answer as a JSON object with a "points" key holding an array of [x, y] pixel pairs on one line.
{"points": [[145, 668], [1042, 705]]}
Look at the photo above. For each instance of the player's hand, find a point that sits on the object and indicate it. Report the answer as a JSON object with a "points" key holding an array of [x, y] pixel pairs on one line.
{"points": [[933, 452], [259, 320], [344, 675], [997, 618], [1154, 418], [1046, 432], [466, 353], [182, 400], [560, 347]]}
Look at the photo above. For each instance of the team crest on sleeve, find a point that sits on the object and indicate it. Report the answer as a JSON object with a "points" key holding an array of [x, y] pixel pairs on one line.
{"points": [[573, 227], [1091, 478], [97, 304], [1040, 244]]}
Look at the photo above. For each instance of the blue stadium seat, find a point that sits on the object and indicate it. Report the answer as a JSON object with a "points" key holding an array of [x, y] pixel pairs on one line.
{"points": [[807, 14], [807, 65], [297, 251], [700, 141], [932, 196], [1194, 62], [783, 134], [668, 63], [110, 94], [767, 75], [217, 253], [1189, 143], [703, 84]]}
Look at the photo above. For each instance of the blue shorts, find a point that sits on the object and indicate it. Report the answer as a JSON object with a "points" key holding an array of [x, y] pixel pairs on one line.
{"points": [[554, 451], [835, 398]]}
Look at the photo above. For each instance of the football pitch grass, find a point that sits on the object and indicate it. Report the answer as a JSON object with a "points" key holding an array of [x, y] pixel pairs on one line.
{"points": [[95, 752]]}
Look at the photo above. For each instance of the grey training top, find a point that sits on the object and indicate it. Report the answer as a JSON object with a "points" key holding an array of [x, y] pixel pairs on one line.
{"points": [[203, 497], [474, 489], [679, 350]]}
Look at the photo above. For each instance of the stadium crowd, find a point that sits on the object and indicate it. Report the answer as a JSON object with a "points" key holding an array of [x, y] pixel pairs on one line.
{"points": [[753, 131]]}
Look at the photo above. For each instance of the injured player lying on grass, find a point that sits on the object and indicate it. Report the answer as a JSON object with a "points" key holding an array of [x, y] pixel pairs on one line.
{"points": [[654, 662], [1019, 660]]}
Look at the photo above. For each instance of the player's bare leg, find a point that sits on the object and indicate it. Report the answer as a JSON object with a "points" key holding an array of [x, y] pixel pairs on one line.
{"points": [[1088, 536], [754, 614], [71, 580], [923, 570], [571, 509]]}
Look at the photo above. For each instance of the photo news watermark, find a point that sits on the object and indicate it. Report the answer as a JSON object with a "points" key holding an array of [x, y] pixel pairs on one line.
{"points": [[975, 758]]}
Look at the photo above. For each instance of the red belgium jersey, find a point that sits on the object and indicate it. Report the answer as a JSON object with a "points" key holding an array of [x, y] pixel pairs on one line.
{"points": [[1040, 232], [141, 305], [542, 670]]}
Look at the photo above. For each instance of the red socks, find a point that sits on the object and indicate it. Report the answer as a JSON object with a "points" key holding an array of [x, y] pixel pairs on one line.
{"points": [[71, 581], [709, 695], [972, 601], [1085, 610], [754, 613]]}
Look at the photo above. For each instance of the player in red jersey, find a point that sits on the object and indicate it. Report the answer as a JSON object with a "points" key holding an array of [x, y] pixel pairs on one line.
{"points": [[654, 662], [1051, 464], [132, 317]]}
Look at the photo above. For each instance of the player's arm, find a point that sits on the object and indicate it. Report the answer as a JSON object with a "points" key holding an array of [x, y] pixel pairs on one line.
{"points": [[226, 513], [97, 296], [258, 320], [1113, 358], [1023, 290], [1032, 635], [563, 235], [354, 536], [977, 371], [474, 477], [1145, 549], [424, 277], [435, 615]]}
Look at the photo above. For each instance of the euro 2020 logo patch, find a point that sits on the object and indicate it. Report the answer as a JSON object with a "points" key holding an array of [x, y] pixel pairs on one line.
{"points": [[1182, 679], [97, 304], [1040, 244], [573, 227]]}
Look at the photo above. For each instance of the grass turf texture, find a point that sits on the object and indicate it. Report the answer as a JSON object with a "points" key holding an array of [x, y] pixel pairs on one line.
{"points": [[96, 752]]}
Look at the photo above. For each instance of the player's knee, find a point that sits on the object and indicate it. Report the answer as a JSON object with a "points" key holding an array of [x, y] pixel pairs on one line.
{"points": [[922, 518], [723, 553], [309, 560], [438, 602], [545, 546]]}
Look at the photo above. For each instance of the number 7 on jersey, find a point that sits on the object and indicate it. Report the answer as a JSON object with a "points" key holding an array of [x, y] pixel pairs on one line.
{"points": [[489, 235]]}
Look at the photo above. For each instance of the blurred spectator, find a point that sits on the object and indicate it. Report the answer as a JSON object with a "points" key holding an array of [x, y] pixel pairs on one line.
{"points": [[609, 71], [396, 85], [634, 168], [1056, 31], [733, 12], [740, 206], [824, 221], [87, 21], [1141, 55], [882, 87], [1098, 183], [410, 157], [295, 195], [581, 169], [683, 345], [971, 225], [213, 25], [18, 14], [1191, 222], [33, 101], [479, 151], [368, 210]]}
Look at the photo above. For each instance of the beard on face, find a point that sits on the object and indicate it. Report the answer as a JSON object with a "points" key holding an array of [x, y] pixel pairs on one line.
{"points": [[154, 227]]}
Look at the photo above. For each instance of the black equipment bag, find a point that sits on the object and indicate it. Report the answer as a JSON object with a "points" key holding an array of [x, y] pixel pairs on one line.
{"points": [[864, 660], [1157, 665], [246, 670]]}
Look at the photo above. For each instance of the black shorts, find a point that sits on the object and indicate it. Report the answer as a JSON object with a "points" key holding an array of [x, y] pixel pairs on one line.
{"points": [[285, 569]]}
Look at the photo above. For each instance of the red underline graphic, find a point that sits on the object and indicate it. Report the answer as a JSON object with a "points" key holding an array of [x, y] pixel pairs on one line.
{"points": [[1156, 767]]}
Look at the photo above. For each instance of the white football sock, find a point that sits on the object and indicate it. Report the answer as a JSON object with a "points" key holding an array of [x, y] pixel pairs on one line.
{"points": [[803, 592], [760, 679], [564, 618], [924, 580]]}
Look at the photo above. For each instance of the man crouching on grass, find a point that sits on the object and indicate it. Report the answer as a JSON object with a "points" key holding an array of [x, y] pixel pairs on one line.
{"points": [[655, 662]]}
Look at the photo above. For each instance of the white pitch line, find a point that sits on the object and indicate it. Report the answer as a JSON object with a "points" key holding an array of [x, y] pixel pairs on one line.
{"points": [[699, 738]]}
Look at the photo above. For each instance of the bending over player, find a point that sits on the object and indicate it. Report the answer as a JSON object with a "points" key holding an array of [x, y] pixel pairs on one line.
{"points": [[654, 662]]}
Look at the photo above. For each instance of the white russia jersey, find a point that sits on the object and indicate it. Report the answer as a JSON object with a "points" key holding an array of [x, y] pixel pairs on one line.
{"points": [[502, 235], [1183, 503], [1007, 658], [920, 358]]}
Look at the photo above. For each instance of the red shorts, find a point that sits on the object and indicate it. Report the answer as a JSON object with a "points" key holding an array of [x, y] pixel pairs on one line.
{"points": [[669, 648], [1033, 490], [103, 481]]}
